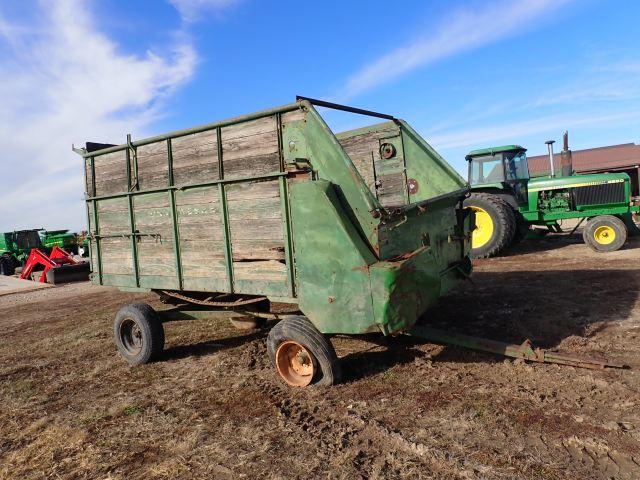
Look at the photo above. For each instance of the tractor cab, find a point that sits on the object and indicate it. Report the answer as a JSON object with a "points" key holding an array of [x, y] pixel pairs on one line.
{"points": [[502, 168]]}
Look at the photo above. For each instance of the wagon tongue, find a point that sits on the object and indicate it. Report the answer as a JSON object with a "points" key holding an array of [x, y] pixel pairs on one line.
{"points": [[68, 273]]}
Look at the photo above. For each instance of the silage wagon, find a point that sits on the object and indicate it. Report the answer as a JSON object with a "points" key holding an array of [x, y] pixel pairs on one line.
{"points": [[270, 213]]}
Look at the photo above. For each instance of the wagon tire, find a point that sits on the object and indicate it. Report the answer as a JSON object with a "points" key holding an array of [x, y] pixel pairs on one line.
{"points": [[138, 333], [605, 233], [301, 354], [7, 267]]}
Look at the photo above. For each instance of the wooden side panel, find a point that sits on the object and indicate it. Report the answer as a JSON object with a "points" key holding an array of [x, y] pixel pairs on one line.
{"points": [[156, 255], [257, 237], [88, 179], [113, 218], [250, 148], [111, 173], [153, 166], [201, 239], [195, 158], [391, 179], [384, 177]]}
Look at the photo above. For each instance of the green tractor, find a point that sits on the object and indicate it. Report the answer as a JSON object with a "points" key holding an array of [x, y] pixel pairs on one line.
{"points": [[15, 248], [60, 238], [507, 203]]}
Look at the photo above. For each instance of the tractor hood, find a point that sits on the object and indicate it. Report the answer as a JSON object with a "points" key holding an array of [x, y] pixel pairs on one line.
{"points": [[538, 184]]}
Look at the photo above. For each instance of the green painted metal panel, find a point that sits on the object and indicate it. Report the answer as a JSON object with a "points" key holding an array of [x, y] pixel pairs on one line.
{"points": [[426, 169], [331, 261]]}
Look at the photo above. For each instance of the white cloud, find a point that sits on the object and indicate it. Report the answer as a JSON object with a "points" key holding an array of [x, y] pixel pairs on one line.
{"points": [[194, 10], [64, 81], [465, 30]]}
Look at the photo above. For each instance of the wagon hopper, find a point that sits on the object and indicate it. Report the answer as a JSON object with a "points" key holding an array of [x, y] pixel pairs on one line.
{"points": [[271, 213]]}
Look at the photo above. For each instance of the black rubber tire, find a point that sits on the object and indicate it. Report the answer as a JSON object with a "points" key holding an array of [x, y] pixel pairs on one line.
{"points": [[7, 266], [301, 330], [150, 328], [504, 223], [618, 226], [522, 229]]}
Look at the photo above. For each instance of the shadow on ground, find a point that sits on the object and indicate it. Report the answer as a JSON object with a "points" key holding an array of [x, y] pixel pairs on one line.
{"points": [[543, 306]]}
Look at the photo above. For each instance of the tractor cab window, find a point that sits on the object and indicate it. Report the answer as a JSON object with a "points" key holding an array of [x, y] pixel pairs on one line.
{"points": [[516, 166], [486, 169], [28, 239]]}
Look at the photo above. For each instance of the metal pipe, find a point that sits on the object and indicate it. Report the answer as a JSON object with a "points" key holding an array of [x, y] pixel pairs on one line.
{"points": [[344, 108], [550, 143]]}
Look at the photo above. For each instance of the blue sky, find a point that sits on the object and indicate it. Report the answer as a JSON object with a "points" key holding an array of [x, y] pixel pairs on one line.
{"points": [[465, 74]]}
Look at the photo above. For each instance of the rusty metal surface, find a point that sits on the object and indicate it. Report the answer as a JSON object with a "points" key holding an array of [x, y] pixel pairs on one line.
{"points": [[210, 303]]}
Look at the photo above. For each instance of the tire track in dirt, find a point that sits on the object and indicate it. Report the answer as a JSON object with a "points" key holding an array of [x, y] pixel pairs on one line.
{"points": [[339, 432]]}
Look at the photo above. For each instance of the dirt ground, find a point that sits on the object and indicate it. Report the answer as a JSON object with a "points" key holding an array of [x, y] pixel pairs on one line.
{"points": [[212, 407]]}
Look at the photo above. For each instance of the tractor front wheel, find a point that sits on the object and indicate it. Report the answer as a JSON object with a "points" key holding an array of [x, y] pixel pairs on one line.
{"points": [[301, 354], [605, 233], [138, 332], [495, 224], [7, 267]]}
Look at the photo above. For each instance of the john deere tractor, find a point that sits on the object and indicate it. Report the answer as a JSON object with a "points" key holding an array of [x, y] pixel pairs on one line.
{"points": [[507, 203], [15, 248]]}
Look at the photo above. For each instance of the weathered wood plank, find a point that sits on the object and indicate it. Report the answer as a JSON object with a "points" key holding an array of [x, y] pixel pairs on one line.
{"points": [[252, 127], [195, 158], [153, 167], [255, 219], [266, 271], [117, 258], [294, 116], [111, 173]]}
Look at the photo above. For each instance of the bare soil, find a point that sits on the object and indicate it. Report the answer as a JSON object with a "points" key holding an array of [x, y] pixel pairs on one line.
{"points": [[213, 407]]}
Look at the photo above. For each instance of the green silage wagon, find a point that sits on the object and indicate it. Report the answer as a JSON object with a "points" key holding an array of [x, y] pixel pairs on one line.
{"points": [[271, 215]]}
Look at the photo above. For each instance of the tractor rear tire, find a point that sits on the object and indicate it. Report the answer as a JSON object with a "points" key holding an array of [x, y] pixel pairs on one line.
{"points": [[301, 354], [605, 233], [495, 224], [138, 333], [7, 266]]}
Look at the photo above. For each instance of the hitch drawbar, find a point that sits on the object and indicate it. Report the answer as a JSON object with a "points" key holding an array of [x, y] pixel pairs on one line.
{"points": [[526, 351]]}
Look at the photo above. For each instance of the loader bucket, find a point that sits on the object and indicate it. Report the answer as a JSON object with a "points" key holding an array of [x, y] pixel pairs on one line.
{"points": [[78, 272]]}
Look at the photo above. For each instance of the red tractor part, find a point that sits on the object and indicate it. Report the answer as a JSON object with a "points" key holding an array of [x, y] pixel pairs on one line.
{"points": [[59, 267]]}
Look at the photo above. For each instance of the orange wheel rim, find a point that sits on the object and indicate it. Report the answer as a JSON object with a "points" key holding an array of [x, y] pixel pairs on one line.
{"points": [[294, 364]]}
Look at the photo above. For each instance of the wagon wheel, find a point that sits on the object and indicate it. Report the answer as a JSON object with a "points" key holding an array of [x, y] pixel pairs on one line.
{"points": [[301, 354], [138, 332]]}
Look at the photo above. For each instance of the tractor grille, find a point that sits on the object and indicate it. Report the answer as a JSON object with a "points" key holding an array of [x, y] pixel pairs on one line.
{"points": [[599, 194]]}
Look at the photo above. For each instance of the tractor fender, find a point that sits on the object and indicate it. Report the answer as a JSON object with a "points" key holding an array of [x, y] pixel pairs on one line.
{"points": [[506, 197]]}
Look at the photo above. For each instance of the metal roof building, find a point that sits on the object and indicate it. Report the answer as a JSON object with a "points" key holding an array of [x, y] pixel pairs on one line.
{"points": [[613, 158]]}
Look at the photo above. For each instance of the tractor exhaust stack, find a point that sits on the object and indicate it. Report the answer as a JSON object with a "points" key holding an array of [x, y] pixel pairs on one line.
{"points": [[566, 161], [552, 168]]}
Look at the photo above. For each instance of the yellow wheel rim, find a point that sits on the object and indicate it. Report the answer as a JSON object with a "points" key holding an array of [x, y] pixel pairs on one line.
{"points": [[604, 235], [484, 228]]}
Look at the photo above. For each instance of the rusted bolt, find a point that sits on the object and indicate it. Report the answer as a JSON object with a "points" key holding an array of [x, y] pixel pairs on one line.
{"points": [[413, 186]]}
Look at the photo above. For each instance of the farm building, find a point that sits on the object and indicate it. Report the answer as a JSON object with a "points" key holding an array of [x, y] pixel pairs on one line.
{"points": [[613, 158]]}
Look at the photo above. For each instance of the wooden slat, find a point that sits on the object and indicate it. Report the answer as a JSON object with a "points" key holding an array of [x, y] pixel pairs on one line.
{"points": [[111, 173], [255, 219], [153, 168], [250, 148], [201, 237], [117, 258], [195, 158]]}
